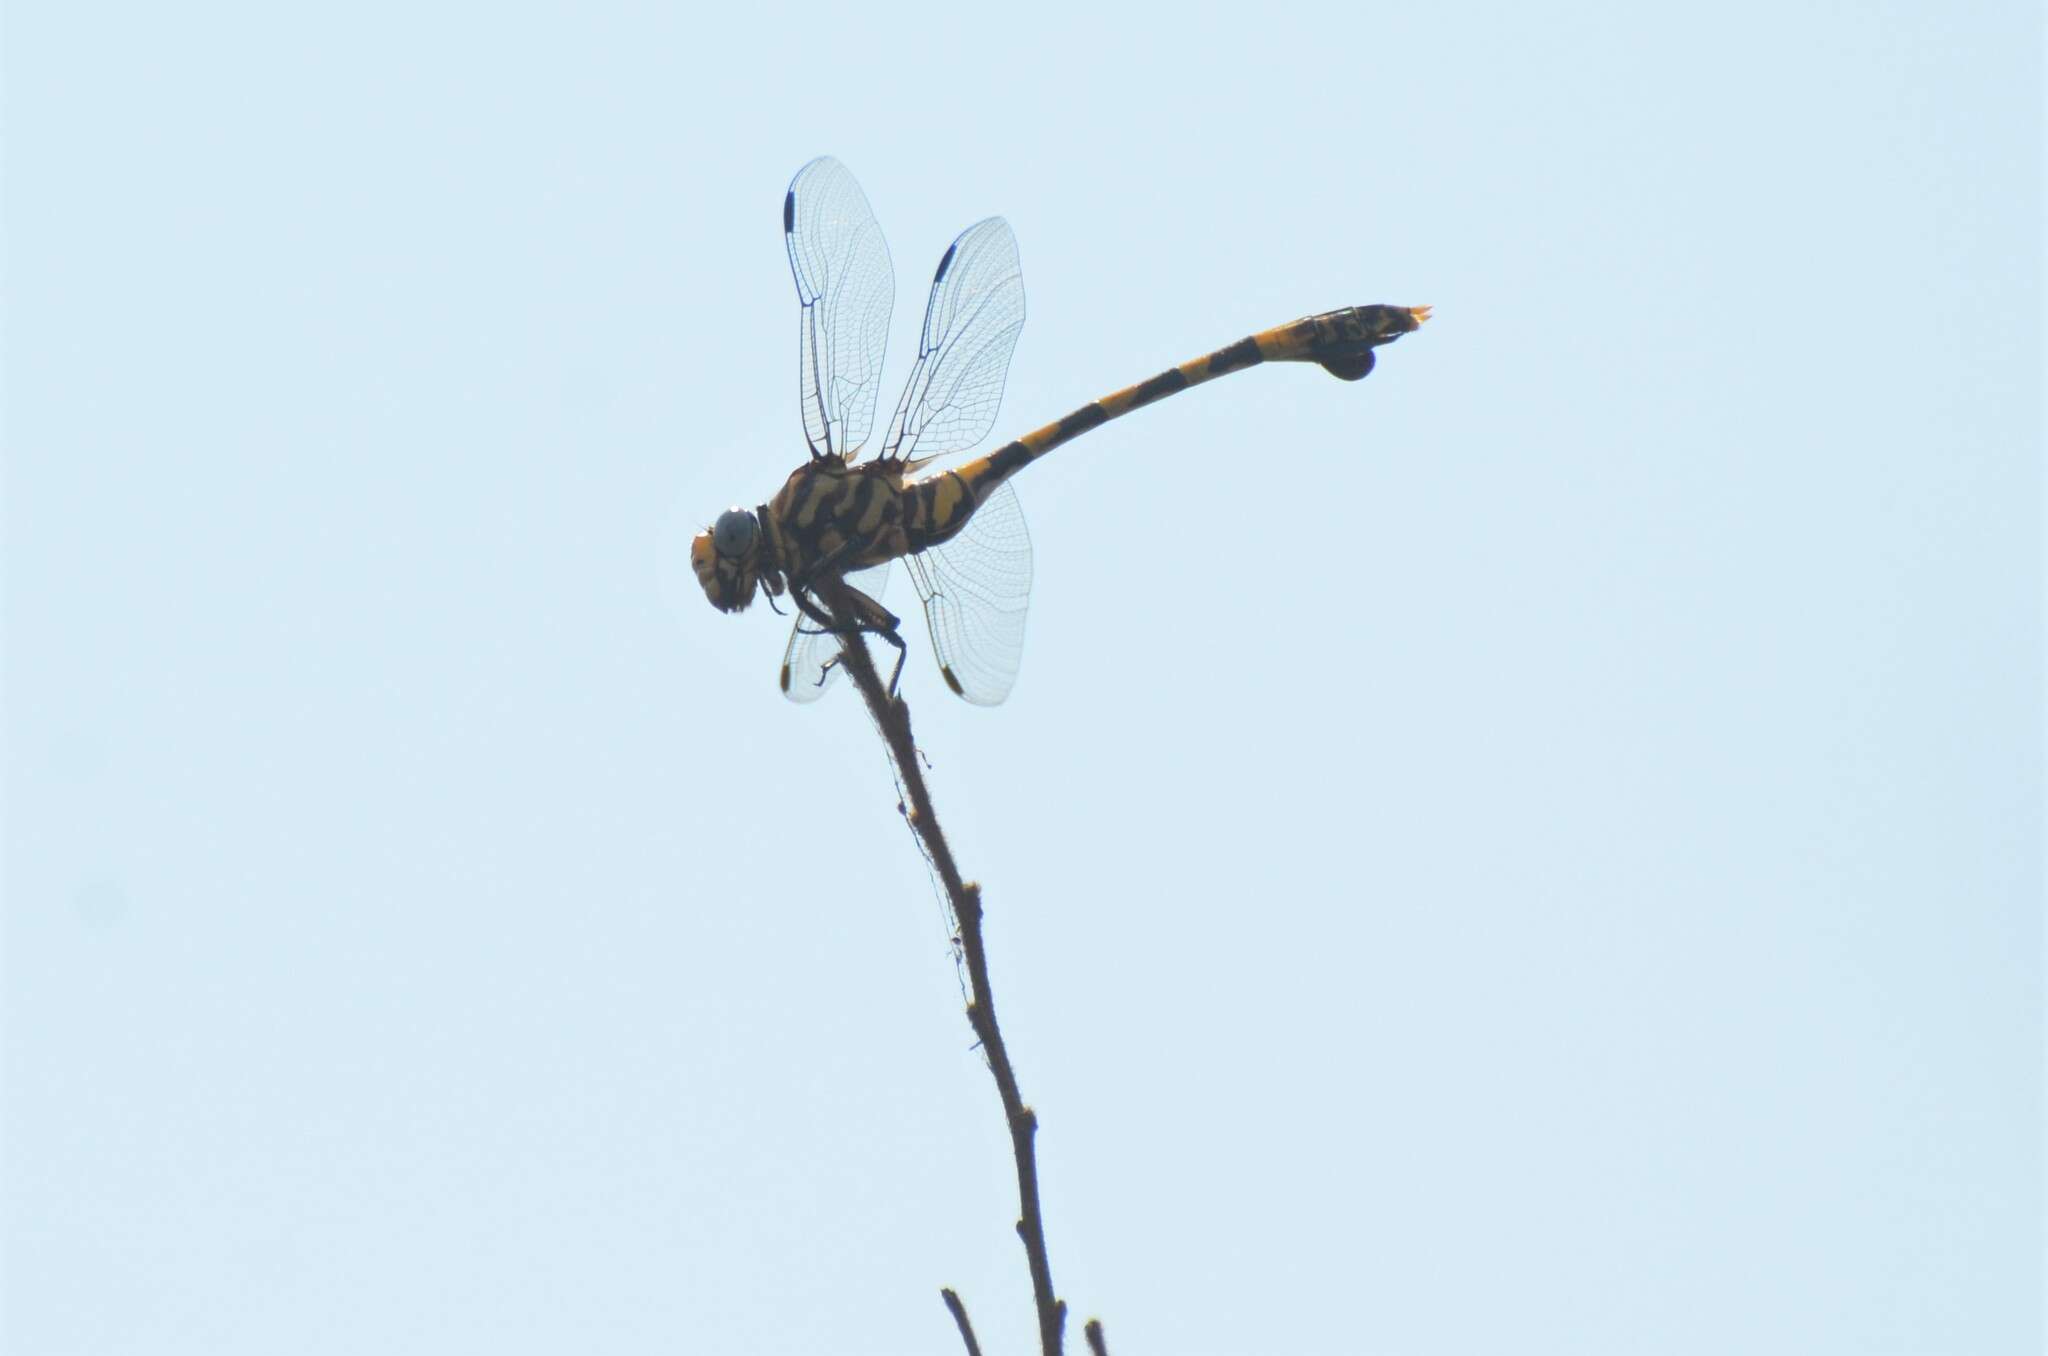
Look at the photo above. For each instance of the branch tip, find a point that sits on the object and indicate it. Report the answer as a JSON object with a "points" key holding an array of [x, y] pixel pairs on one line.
{"points": [[959, 1312]]}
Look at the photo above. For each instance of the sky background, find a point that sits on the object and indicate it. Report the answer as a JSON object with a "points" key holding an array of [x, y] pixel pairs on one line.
{"points": [[1538, 851]]}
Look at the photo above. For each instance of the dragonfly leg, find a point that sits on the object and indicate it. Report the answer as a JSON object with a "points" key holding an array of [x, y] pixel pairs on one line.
{"points": [[870, 618], [800, 583], [902, 653]]}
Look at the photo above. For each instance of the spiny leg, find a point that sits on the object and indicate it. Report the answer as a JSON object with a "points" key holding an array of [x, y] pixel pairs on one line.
{"points": [[871, 619]]}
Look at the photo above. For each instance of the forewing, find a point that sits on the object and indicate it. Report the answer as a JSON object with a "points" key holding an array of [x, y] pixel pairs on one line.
{"points": [[976, 590], [807, 667], [846, 287], [970, 329]]}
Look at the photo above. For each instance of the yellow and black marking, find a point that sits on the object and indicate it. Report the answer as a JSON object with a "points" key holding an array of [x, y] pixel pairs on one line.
{"points": [[832, 517], [1341, 341]]}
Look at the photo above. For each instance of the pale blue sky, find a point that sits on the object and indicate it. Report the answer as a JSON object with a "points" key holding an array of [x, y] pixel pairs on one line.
{"points": [[1539, 851]]}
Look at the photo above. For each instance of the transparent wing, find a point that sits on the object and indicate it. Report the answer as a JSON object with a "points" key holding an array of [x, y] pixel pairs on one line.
{"points": [[807, 667], [970, 329], [976, 589], [846, 287]]}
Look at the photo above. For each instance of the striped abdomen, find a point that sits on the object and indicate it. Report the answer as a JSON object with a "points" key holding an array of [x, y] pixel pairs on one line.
{"points": [[1341, 341]]}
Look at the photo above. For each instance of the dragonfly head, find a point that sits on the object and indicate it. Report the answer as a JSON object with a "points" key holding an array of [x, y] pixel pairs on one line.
{"points": [[727, 558]]}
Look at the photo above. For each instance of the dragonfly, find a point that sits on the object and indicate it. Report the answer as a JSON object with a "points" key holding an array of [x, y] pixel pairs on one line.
{"points": [[959, 531]]}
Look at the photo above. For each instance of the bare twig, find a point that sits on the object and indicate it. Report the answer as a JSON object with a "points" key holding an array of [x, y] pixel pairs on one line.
{"points": [[960, 1320], [892, 718], [1097, 1346]]}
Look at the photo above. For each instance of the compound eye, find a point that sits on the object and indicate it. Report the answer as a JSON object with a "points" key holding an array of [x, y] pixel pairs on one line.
{"points": [[734, 532]]}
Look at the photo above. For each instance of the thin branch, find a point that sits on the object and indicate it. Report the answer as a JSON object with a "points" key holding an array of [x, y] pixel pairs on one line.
{"points": [[892, 718], [1097, 1346], [960, 1320]]}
